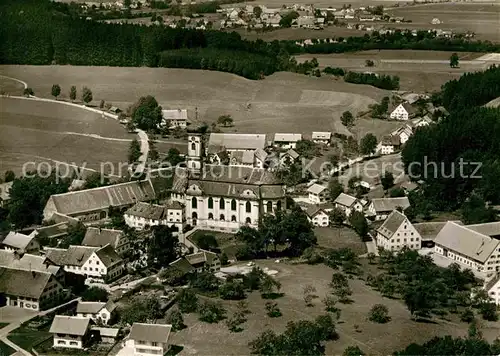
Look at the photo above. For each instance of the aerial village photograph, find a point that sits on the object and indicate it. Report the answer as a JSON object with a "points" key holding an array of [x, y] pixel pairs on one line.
{"points": [[249, 177]]}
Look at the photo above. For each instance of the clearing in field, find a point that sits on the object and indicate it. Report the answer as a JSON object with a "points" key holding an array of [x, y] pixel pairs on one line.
{"points": [[279, 103]]}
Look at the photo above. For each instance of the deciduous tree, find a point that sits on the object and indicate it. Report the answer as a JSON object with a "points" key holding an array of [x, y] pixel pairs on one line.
{"points": [[56, 90], [86, 95]]}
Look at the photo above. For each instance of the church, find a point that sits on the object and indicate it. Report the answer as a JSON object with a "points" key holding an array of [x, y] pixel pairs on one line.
{"points": [[222, 197]]}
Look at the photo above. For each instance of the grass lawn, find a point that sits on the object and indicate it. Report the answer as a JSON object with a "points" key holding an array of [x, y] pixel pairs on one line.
{"points": [[5, 350], [372, 338], [26, 337], [329, 237]]}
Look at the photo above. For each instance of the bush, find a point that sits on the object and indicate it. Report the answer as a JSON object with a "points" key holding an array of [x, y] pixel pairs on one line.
{"points": [[211, 312], [467, 315], [176, 320], [272, 310], [379, 313], [187, 301], [95, 294], [233, 290]]}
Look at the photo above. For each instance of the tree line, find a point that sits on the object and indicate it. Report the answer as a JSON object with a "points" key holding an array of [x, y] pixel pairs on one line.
{"points": [[381, 81], [458, 157], [43, 32]]}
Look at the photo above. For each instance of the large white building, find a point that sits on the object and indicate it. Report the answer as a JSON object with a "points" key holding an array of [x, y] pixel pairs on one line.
{"points": [[102, 263], [401, 112], [224, 198], [397, 232], [468, 247]]}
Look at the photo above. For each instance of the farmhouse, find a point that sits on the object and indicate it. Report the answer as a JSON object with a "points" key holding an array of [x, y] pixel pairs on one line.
{"points": [[317, 193], [348, 204], [389, 144], [149, 339], [93, 204], [235, 142], [97, 237], [401, 112], [317, 216], [144, 215], [381, 208], [492, 287], [27, 289], [396, 233], [321, 137], [422, 121], [260, 158], [286, 140], [15, 241], [175, 118], [28, 262], [99, 312], [468, 247], [403, 133], [92, 262], [5, 193], [70, 332], [199, 262]]}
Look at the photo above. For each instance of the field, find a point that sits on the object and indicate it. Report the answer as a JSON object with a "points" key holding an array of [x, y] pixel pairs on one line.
{"points": [[33, 131], [373, 339], [480, 18], [279, 103], [344, 237], [418, 70], [299, 33]]}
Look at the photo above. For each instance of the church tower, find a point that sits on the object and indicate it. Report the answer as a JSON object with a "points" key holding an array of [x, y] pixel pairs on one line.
{"points": [[194, 153]]}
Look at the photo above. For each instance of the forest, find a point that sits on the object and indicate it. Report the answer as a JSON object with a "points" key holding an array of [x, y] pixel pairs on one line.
{"points": [[41, 32], [459, 157]]}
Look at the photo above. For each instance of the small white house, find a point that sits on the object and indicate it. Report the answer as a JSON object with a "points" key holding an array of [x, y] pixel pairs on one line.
{"points": [[422, 121], [71, 332], [288, 157], [318, 216], [492, 287], [317, 193], [175, 118], [397, 232], [287, 140], [99, 312], [389, 145], [401, 112], [321, 137], [149, 339], [5, 193], [348, 204], [436, 21], [403, 133]]}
